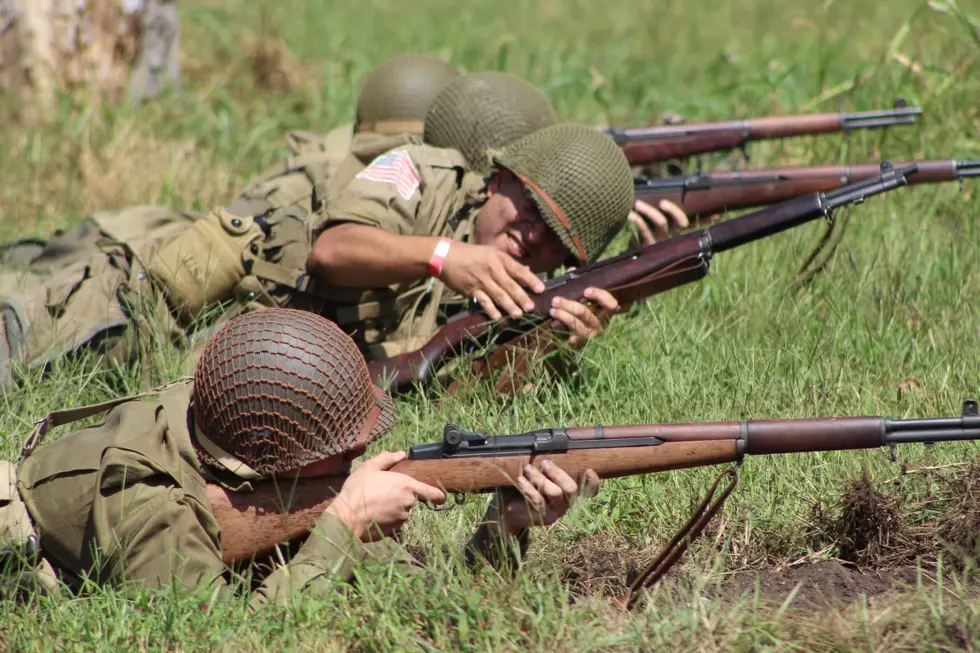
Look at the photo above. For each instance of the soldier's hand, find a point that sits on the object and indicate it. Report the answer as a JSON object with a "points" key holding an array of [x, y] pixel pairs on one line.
{"points": [[543, 496], [375, 502], [582, 321], [657, 223], [491, 277]]}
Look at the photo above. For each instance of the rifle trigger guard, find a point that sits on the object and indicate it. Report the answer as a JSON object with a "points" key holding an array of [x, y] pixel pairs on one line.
{"points": [[459, 498]]}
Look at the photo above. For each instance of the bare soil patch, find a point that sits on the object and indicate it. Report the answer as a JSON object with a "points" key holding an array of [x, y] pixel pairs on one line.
{"points": [[825, 584]]}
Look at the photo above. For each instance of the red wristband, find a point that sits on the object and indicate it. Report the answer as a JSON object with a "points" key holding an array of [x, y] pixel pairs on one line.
{"points": [[439, 255]]}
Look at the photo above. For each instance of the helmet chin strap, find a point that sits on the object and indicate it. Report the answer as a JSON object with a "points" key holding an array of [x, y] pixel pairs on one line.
{"points": [[371, 419], [562, 218], [225, 459]]}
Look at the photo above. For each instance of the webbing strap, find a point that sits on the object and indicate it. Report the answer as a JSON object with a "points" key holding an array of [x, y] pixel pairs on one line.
{"points": [[682, 540], [392, 127], [225, 459], [58, 418], [279, 274]]}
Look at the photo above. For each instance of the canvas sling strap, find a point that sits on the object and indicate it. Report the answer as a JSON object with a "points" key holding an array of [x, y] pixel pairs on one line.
{"points": [[58, 418], [671, 553]]}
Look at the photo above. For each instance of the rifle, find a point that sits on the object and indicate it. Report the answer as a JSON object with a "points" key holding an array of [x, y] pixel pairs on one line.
{"points": [[629, 277], [647, 145], [252, 524], [702, 195]]}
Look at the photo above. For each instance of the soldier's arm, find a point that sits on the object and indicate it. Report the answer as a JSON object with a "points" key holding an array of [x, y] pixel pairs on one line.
{"points": [[361, 256], [157, 535], [325, 560]]}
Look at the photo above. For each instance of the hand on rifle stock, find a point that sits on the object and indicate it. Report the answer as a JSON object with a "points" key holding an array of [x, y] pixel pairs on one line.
{"points": [[375, 502], [541, 497]]}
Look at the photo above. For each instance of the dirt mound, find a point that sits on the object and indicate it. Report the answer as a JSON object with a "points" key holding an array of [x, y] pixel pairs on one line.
{"points": [[600, 565], [823, 584]]}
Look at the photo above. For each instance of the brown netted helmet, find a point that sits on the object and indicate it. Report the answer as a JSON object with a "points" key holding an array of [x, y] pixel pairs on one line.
{"points": [[397, 94], [485, 110], [278, 389]]}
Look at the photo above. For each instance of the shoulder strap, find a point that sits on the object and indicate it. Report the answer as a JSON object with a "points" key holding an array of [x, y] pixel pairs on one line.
{"points": [[436, 157], [57, 418]]}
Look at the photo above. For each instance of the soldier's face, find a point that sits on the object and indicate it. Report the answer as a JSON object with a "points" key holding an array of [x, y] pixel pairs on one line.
{"points": [[337, 465], [511, 222]]}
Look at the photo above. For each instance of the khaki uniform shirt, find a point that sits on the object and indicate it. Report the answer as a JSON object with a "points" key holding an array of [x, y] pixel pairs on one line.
{"points": [[126, 501], [437, 197]]}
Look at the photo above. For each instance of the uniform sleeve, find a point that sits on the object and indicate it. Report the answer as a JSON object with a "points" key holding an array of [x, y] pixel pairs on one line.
{"points": [[161, 537], [157, 534], [388, 205], [328, 557]]}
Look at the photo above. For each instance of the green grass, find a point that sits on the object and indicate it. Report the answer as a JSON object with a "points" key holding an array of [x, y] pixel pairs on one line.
{"points": [[897, 303]]}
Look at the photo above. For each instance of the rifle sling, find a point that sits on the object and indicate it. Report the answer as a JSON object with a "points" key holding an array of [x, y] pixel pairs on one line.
{"points": [[681, 272], [682, 540]]}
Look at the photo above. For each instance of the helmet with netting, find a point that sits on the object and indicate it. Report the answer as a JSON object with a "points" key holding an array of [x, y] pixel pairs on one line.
{"points": [[397, 94], [580, 180], [478, 112], [278, 389]]}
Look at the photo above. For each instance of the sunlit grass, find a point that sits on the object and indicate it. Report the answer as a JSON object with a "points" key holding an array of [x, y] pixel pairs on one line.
{"points": [[891, 327]]}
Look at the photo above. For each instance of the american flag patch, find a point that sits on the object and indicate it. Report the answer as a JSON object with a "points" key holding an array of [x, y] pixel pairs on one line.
{"points": [[395, 167]]}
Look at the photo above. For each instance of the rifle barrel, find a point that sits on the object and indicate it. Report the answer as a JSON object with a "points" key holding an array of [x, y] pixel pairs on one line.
{"points": [[701, 195], [753, 437], [967, 169]]}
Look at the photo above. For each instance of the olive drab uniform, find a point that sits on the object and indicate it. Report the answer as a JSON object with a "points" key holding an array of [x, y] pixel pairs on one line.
{"points": [[89, 286], [125, 500], [441, 201]]}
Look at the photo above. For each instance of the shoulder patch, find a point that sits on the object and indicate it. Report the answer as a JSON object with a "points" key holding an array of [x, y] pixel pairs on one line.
{"points": [[395, 167]]}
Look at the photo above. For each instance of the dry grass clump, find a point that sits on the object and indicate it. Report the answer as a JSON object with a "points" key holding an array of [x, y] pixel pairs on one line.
{"points": [[272, 65], [869, 528], [97, 172], [958, 529], [132, 167]]}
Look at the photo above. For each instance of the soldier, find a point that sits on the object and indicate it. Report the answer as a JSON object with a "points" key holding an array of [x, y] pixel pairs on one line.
{"points": [[409, 228], [234, 259], [390, 111], [278, 394]]}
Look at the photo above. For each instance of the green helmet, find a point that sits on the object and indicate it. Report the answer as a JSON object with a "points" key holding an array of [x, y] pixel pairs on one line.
{"points": [[396, 95], [579, 179], [476, 113]]}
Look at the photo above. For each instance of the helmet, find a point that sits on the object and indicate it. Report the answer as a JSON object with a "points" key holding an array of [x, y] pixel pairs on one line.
{"points": [[278, 389], [485, 110], [397, 94], [580, 180]]}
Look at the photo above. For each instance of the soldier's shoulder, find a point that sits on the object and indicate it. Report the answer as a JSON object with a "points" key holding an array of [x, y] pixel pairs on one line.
{"points": [[423, 154], [303, 142]]}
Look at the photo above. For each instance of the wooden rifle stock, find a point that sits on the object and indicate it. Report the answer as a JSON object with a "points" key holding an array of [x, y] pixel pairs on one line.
{"points": [[253, 523], [629, 276], [703, 195], [653, 144]]}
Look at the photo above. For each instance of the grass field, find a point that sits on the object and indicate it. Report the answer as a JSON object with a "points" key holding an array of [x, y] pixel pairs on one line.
{"points": [[891, 327]]}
